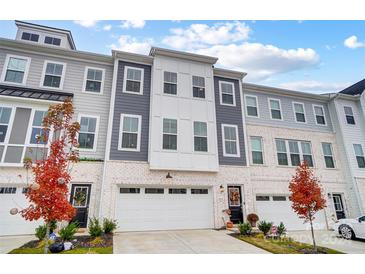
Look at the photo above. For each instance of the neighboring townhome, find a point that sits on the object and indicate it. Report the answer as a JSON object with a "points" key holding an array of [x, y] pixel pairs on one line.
{"points": [[348, 108], [39, 68], [285, 127], [176, 156]]}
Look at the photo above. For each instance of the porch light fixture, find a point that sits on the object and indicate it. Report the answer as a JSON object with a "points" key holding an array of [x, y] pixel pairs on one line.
{"points": [[221, 188], [168, 176], [35, 186]]}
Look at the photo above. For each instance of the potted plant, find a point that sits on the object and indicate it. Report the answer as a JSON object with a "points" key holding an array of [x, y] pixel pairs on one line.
{"points": [[252, 218]]}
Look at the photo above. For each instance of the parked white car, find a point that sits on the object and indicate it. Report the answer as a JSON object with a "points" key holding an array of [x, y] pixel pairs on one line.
{"points": [[351, 228]]}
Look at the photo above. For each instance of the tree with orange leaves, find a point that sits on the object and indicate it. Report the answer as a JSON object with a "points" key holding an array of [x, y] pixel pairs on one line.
{"points": [[306, 195], [48, 193]]}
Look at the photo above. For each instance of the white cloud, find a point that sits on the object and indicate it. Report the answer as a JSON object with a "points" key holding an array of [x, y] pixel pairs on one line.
{"points": [[130, 44], [107, 27], [87, 23], [315, 86], [261, 61], [352, 42], [200, 35], [134, 24]]}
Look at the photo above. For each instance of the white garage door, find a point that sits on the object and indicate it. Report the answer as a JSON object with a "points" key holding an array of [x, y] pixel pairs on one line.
{"points": [[12, 197], [278, 209], [161, 208]]}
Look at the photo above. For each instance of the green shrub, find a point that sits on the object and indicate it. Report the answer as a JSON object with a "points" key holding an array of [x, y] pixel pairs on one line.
{"points": [[245, 228], [281, 229], [95, 229], [109, 225], [40, 232], [67, 233], [264, 227], [52, 226]]}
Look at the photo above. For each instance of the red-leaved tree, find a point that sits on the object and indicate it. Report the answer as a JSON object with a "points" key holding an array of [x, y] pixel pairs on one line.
{"points": [[48, 192], [306, 195]]}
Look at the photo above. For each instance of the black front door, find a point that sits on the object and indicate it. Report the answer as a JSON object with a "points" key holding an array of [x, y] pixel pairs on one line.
{"points": [[337, 202], [235, 203], [80, 198]]}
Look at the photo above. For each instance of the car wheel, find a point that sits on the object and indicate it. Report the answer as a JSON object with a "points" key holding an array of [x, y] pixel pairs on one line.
{"points": [[346, 232]]}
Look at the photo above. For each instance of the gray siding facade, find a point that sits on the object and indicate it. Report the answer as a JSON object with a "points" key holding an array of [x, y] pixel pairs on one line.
{"points": [[230, 115], [126, 103]]}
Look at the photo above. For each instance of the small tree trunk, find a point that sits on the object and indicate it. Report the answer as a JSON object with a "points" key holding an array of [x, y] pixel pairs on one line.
{"points": [[46, 239], [314, 241]]}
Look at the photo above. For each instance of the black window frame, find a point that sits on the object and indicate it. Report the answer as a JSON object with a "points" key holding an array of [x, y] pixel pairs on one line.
{"points": [[182, 191], [129, 190], [154, 190], [199, 191]]}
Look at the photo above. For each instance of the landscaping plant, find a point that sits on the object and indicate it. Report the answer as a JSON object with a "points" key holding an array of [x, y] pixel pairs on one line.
{"points": [[281, 229], [252, 218], [67, 233], [264, 227], [306, 195], [40, 232], [245, 228], [95, 229], [109, 225]]}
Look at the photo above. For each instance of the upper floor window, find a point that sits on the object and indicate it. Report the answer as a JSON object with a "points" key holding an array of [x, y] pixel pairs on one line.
{"points": [[200, 136], [53, 74], [251, 106], [319, 113], [130, 134], [275, 109], [88, 132], [38, 136], [349, 115], [94, 80], [298, 151], [299, 112], [307, 153], [359, 153], [281, 152], [30, 36], [5, 113], [230, 141], [16, 69], [169, 139], [52, 41], [227, 93], [256, 150], [328, 155], [198, 87], [133, 80], [170, 82]]}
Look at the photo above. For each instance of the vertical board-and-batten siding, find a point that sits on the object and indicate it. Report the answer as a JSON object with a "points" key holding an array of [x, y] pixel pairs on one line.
{"points": [[230, 115], [85, 103], [127, 103]]}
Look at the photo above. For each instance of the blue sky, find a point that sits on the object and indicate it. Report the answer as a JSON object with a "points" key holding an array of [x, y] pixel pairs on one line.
{"points": [[313, 56]]}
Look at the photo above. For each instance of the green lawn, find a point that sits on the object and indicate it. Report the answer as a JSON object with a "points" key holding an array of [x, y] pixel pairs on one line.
{"points": [[93, 250], [284, 246]]}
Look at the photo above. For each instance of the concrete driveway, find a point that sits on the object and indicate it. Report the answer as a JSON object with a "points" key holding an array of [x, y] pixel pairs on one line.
{"points": [[329, 239], [8, 243], [181, 241]]}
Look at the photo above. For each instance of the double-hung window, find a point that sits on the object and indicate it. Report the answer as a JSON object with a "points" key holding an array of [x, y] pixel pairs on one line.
{"points": [[15, 69], [53, 75], [328, 155], [227, 93], [94, 80], [319, 114], [275, 109], [256, 150], [359, 153], [294, 153], [299, 112], [251, 106], [230, 141], [5, 113], [200, 136], [88, 132], [30, 36], [281, 152], [349, 115], [198, 87], [169, 138], [130, 132], [298, 151], [307, 153], [38, 136], [170, 82], [133, 80]]}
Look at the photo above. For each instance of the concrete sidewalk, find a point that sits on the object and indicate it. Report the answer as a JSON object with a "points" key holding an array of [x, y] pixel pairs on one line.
{"points": [[8, 243]]}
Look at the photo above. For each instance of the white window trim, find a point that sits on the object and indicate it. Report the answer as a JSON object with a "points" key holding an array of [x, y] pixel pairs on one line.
{"points": [[102, 81], [31, 33], [10, 125], [363, 152], [326, 155], [96, 131], [204, 152], [353, 115], [225, 154], [177, 135], [139, 117], [44, 74], [281, 110], [221, 93], [262, 150], [30, 126], [288, 151], [304, 112], [257, 105], [315, 116], [5, 68], [125, 80], [193, 86], [167, 82]]}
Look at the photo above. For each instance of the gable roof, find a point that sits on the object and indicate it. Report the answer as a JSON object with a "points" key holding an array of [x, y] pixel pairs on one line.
{"points": [[355, 89]]}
